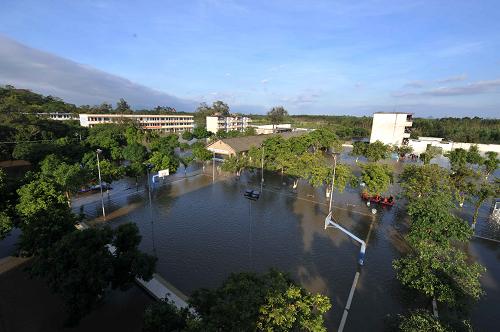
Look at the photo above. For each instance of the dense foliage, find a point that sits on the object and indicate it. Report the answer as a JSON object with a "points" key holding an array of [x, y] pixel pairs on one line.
{"points": [[245, 302]]}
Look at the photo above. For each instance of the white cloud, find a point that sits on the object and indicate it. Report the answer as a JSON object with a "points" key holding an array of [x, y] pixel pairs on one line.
{"points": [[42, 72], [452, 79], [474, 88]]}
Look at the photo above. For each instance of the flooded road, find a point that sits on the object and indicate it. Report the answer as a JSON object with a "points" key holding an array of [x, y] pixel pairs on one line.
{"points": [[203, 231]]}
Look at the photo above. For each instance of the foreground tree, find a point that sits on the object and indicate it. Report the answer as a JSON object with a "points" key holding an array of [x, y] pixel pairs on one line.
{"points": [[440, 272], [430, 218], [490, 163], [6, 223], [421, 321], [270, 302], [481, 192], [164, 316], [377, 177], [69, 177], [80, 267], [418, 181]]}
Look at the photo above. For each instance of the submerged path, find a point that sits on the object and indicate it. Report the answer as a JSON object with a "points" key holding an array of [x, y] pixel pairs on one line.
{"points": [[157, 287]]}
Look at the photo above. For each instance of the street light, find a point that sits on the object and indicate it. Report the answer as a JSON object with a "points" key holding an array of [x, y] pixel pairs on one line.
{"points": [[333, 182], [262, 170], [150, 166], [98, 151]]}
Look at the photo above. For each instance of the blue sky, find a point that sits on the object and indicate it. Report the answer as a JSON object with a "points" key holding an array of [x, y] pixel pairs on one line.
{"points": [[434, 58]]}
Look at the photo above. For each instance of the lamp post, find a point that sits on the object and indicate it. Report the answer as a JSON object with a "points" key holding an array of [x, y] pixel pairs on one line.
{"points": [[333, 182], [213, 168], [98, 151], [149, 166], [262, 170]]}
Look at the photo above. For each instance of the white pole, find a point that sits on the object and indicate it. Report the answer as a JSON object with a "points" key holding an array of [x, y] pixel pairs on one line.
{"points": [[333, 182], [100, 183], [213, 168], [262, 166], [329, 222]]}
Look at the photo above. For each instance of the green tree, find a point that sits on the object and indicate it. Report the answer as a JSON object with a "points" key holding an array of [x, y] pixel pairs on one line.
{"points": [[377, 151], [80, 267], [377, 177], [123, 107], [235, 164], [165, 316], [135, 153], [269, 302], [418, 181], [250, 131], [359, 149], [69, 177], [430, 153], [165, 144], [458, 159], [5, 220], [163, 161], [186, 161], [5, 224], [277, 115], [200, 153], [490, 163], [324, 139], [440, 272], [480, 193], [200, 133], [403, 150], [44, 215], [187, 135], [473, 156], [430, 218], [421, 321]]}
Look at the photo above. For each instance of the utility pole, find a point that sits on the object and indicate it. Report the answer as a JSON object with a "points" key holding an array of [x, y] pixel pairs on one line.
{"points": [[148, 167], [98, 151], [213, 168], [262, 170], [333, 182]]}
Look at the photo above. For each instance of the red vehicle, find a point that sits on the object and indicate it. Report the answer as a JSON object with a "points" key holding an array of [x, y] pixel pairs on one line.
{"points": [[390, 201]]}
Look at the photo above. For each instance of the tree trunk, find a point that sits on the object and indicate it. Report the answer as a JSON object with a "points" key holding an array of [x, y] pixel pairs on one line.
{"points": [[435, 307], [68, 198]]}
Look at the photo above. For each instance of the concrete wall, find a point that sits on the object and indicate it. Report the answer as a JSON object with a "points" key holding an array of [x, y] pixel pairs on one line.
{"points": [[213, 124], [389, 128], [419, 146]]}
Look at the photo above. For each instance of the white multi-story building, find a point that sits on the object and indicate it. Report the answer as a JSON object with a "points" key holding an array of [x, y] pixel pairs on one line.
{"points": [[158, 122], [58, 116], [391, 128], [227, 123]]}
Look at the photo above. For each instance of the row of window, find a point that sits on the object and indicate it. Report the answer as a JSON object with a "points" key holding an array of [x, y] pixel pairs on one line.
{"points": [[148, 120]]}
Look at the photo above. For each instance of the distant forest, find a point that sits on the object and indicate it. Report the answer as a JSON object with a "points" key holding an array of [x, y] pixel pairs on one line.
{"points": [[474, 130]]}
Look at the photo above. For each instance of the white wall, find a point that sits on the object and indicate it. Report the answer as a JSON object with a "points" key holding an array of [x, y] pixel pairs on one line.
{"points": [[389, 128], [213, 124], [419, 146]]}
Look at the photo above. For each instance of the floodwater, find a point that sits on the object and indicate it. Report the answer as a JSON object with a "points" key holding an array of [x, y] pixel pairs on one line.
{"points": [[203, 230]]}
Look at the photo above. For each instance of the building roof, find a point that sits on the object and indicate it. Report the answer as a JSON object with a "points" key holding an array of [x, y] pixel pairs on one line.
{"points": [[408, 113], [244, 143]]}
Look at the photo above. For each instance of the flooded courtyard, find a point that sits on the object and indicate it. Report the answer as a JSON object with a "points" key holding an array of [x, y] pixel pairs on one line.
{"points": [[202, 230]]}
